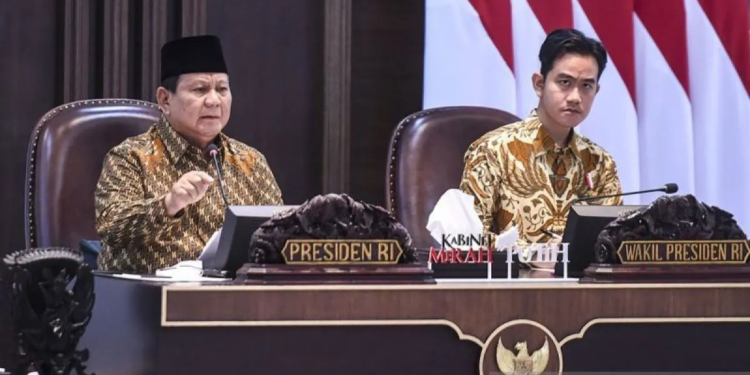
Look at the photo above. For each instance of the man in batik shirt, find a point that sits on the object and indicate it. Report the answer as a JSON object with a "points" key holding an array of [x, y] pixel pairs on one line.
{"points": [[527, 174], [158, 200]]}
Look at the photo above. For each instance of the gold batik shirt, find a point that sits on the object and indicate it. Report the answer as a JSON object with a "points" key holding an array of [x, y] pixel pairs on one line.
{"points": [[520, 177], [137, 234]]}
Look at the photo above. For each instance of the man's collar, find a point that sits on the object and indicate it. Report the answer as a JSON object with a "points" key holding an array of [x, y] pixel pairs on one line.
{"points": [[544, 143], [177, 145]]}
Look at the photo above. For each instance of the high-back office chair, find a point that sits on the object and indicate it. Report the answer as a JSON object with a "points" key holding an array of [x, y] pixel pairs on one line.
{"points": [[426, 158], [65, 158]]}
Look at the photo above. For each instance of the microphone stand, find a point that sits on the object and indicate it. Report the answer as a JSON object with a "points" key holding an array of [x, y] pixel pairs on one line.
{"points": [[221, 180]]}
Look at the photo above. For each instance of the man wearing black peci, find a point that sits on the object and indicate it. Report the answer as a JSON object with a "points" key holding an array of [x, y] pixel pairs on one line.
{"points": [[158, 200]]}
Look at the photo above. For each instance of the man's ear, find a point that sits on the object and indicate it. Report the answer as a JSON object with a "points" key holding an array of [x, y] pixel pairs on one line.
{"points": [[597, 88], [537, 80], [162, 97]]}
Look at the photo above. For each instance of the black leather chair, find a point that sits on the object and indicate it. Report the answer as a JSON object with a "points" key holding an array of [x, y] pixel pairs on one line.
{"points": [[426, 158], [65, 157]]}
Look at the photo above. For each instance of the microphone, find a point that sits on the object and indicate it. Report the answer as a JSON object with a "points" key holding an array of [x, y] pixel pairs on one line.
{"points": [[213, 150], [668, 188]]}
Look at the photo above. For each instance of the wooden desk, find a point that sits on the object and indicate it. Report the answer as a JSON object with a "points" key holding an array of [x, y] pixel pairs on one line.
{"points": [[151, 328]]}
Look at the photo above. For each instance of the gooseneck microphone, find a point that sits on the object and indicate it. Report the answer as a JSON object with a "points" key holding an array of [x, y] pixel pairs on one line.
{"points": [[213, 151], [669, 188]]}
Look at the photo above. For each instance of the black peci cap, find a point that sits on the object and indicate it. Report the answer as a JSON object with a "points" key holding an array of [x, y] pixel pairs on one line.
{"points": [[193, 54]]}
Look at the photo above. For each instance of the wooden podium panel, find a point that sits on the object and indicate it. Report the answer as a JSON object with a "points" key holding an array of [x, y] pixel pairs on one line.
{"points": [[446, 328]]}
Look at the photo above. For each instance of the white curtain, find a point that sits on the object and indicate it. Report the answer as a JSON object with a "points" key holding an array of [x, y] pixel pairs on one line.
{"points": [[674, 103]]}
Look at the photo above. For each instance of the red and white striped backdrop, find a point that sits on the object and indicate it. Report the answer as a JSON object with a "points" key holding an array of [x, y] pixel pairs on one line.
{"points": [[674, 103]]}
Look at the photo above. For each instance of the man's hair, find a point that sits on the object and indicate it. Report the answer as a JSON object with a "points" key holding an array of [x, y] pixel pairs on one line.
{"points": [[570, 41], [170, 83]]}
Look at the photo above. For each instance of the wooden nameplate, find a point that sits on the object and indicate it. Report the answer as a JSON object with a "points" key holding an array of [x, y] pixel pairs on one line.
{"points": [[283, 274], [337, 261], [675, 261], [620, 273]]}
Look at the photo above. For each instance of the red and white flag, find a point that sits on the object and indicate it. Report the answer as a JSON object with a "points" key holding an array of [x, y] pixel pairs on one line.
{"points": [[674, 104]]}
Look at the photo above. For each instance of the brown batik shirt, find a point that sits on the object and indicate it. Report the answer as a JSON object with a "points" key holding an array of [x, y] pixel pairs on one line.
{"points": [[137, 234], [520, 177]]}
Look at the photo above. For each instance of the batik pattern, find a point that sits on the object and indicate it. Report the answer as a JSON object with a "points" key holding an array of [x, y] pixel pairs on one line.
{"points": [[137, 234], [519, 177]]}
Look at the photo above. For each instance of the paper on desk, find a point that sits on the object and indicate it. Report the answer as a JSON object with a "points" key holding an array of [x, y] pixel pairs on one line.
{"points": [[455, 214], [184, 269], [169, 279]]}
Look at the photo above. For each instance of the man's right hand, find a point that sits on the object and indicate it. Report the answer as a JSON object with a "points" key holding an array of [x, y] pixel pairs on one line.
{"points": [[190, 188]]}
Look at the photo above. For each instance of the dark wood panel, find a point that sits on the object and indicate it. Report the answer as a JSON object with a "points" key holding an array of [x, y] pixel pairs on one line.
{"points": [[78, 42], [355, 350], [494, 304], [193, 16], [655, 347], [337, 114], [28, 64], [129, 310], [152, 35], [116, 67], [274, 52], [591, 327], [387, 68]]}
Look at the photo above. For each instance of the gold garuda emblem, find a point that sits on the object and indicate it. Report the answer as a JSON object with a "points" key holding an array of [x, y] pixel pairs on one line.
{"points": [[522, 363]]}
